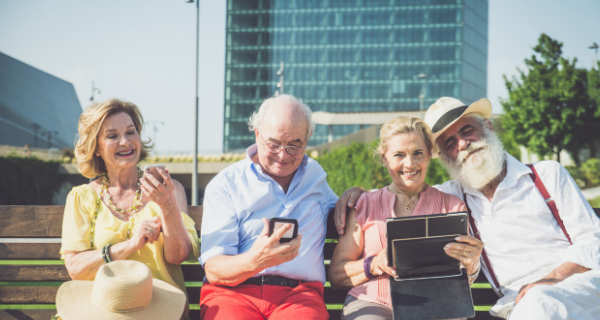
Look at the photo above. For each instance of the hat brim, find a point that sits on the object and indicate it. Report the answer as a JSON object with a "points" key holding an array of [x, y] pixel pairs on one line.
{"points": [[482, 107], [73, 302]]}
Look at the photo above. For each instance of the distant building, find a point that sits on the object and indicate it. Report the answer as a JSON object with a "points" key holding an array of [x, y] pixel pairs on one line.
{"points": [[36, 107], [351, 56]]}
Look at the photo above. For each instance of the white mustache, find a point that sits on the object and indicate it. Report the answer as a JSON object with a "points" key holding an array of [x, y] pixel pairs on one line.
{"points": [[462, 155]]}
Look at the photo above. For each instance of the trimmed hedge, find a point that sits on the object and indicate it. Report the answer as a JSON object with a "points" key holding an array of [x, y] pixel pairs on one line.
{"points": [[28, 181], [354, 166]]}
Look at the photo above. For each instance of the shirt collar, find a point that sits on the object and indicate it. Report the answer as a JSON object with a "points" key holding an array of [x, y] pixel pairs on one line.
{"points": [[515, 169]]}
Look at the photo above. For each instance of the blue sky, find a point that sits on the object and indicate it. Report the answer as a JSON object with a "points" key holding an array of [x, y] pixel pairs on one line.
{"points": [[144, 52]]}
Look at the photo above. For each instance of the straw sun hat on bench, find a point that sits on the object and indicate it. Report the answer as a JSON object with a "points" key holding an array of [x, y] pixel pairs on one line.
{"points": [[122, 290]]}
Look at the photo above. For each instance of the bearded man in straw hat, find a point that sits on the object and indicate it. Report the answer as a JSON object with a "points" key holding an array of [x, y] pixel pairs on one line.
{"points": [[542, 238]]}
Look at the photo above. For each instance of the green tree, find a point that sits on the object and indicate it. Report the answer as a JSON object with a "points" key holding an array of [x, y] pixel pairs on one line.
{"points": [[548, 108], [354, 166], [593, 82]]}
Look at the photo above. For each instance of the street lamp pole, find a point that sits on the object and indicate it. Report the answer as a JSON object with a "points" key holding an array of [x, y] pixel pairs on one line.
{"points": [[196, 110], [94, 90], [35, 127], [594, 46], [422, 95]]}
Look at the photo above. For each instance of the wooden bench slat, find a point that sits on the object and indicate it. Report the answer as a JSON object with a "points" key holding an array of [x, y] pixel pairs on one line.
{"points": [[47, 295], [34, 273], [29, 251], [49, 251], [28, 295], [46, 221], [31, 221], [27, 314]]}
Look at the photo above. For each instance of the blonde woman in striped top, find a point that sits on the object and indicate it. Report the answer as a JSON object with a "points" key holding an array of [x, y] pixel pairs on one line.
{"points": [[359, 261]]}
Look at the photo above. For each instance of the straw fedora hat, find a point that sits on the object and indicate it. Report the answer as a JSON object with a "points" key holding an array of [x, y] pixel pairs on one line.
{"points": [[446, 111], [122, 290]]}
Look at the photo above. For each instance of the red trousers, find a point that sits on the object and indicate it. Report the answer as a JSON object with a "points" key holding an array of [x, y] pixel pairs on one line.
{"points": [[254, 302]]}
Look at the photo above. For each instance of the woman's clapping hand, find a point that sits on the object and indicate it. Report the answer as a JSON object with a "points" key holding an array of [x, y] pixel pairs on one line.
{"points": [[147, 231]]}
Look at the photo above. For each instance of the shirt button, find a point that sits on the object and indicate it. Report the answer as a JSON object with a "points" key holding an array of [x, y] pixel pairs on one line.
{"points": [[494, 215], [504, 240], [532, 261]]}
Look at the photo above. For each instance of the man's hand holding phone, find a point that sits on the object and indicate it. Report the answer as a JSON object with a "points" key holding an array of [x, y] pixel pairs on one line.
{"points": [[267, 251]]}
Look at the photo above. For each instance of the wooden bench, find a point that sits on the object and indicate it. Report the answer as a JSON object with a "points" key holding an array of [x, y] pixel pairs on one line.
{"points": [[31, 270]]}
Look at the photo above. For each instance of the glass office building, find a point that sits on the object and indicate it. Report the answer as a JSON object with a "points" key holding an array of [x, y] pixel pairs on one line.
{"points": [[351, 56], [36, 107]]}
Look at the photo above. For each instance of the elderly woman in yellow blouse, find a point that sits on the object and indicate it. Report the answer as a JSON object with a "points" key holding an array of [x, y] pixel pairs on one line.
{"points": [[123, 215]]}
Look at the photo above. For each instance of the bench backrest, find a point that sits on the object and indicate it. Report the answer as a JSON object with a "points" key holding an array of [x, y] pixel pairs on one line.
{"points": [[31, 270]]}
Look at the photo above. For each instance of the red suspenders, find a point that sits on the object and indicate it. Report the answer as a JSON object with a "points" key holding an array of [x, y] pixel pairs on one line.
{"points": [[549, 201]]}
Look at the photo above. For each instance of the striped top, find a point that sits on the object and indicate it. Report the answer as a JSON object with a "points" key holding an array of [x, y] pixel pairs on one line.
{"points": [[372, 209]]}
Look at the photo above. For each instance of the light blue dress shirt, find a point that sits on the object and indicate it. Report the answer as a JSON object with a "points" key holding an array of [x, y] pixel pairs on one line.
{"points": [[236, 200]]}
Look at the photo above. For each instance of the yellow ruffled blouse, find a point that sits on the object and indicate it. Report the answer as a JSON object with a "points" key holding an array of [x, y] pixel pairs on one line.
{"points": [[77, 225]]}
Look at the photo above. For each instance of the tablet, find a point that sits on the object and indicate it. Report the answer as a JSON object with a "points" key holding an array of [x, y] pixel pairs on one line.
{"points": [[416, 245]]}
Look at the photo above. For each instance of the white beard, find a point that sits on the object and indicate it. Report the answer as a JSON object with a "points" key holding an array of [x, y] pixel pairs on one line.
{"points": [[481, 167]]}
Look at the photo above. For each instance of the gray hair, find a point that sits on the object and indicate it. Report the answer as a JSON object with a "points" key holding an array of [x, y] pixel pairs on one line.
{"points": [[255, 121]]}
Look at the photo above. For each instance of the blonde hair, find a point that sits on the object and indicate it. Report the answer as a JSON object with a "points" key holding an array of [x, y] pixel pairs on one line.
{"points": [[399, 125], [89, 125]]}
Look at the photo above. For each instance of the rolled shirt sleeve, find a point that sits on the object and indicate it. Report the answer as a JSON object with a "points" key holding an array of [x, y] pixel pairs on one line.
{"points": [[220, 225], [580, 220]]}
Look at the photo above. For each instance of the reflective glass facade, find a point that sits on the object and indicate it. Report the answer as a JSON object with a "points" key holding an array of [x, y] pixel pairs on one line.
{"points": [[351, 56], [29, 97]]}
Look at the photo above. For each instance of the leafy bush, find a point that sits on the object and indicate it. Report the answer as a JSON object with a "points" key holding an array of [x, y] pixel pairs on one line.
{"points": [[353, 166], [28, 181], [591, 172], [588, 175], [436, 173], [577, 175]]}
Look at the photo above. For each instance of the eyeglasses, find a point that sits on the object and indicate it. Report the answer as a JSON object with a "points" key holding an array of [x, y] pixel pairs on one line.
{"points": [[275, 148]]}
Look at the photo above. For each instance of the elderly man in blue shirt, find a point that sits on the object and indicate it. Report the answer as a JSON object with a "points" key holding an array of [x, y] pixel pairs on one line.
{"points": [[250, 274]]}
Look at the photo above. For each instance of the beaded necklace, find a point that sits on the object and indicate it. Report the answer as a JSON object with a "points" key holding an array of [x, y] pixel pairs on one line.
{"points": [[137, 201]]}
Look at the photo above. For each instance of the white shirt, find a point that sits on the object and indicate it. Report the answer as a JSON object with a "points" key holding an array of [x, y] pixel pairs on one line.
{"points": [[521, 237]]}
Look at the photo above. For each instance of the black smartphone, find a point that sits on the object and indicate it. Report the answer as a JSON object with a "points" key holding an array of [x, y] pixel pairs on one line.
{"points": [[276, 223]]}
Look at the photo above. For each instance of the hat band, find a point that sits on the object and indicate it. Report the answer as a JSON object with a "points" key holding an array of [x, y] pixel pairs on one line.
{"points": [[121, 311], [447, 118]]}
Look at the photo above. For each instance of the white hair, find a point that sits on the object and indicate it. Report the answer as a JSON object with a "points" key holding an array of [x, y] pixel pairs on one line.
{"points": [[256, 119]]}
